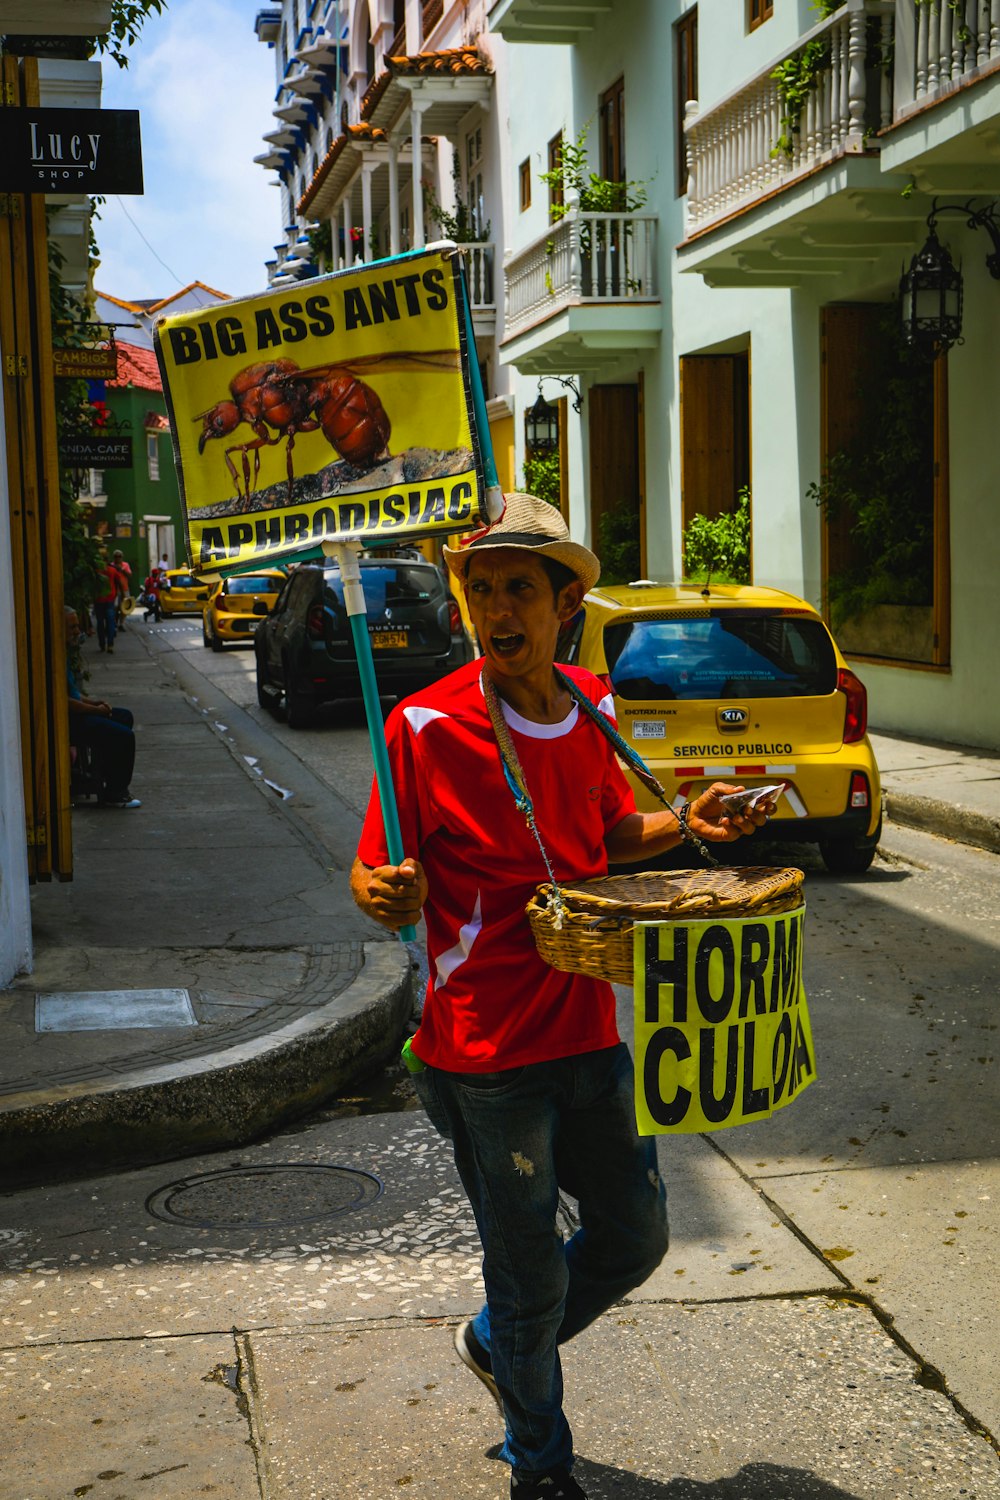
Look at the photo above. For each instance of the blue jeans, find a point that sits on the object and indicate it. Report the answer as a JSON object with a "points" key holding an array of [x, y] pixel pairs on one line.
{"points": [[519, 1137], [106, 619]]}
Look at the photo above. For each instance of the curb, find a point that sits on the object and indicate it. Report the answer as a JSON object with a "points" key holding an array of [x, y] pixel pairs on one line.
{"points": [[206, 1103], [946, 819]]}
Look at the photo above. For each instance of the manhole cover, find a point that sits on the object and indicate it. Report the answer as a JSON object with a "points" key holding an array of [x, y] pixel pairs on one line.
{"points": [[257, 1197]]}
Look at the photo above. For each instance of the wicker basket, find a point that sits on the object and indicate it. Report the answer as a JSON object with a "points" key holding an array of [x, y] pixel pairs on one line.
{"points": [[598, 915]]}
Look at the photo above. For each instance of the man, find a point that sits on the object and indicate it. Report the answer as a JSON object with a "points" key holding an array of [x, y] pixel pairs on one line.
{"points": [[105, 731], [124, 569], [523, 1068], [109, 587]]}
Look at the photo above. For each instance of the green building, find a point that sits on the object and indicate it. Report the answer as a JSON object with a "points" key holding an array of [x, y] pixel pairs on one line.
{"points": [[137, 509]]}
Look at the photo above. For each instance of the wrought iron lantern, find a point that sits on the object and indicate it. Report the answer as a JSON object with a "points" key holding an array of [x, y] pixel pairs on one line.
{"points": [[931, 289], [541, 426], [931, 293]]}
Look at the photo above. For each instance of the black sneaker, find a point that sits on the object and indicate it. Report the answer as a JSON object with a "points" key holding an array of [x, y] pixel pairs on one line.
{"points": [[471, 1352], [554, 1484]]}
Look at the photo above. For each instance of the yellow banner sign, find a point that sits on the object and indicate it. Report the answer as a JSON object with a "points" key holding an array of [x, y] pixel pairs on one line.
{"points": [[722, 1033], [331, 409]]}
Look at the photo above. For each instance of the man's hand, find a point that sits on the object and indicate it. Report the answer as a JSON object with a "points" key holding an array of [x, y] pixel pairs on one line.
{"points": [[391, 894], [641, 836], [714, 824]]}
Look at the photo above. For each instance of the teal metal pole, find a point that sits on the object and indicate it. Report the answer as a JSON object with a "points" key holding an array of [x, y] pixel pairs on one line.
{"points": [[346, 554], [494, 494]]}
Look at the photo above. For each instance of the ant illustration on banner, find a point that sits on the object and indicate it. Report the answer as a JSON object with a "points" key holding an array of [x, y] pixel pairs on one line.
{"points": [[277, 400]]}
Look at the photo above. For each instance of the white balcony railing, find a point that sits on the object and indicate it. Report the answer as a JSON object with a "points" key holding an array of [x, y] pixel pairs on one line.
{"points": [[951, 45], [479, 261], [739, 150], [592, 258]]}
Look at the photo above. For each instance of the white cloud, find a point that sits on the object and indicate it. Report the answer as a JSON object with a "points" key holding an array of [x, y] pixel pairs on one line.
{"points": [[204, 87]]}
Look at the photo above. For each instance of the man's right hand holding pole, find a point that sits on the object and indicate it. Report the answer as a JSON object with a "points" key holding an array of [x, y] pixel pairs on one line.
{"points": [[393, 895]]}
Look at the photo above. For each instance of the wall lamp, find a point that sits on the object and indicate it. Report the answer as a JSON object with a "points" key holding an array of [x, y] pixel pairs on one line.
{"points": [[931, 289], [541, 421]]}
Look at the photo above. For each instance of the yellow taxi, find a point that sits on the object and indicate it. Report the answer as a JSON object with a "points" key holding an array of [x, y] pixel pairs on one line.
{"points": [[237, 605], [182, 594], [740, 684]]}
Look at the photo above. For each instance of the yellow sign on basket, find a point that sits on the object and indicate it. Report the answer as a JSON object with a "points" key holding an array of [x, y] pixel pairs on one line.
{"points": [[333, 409], [722, 1033]]}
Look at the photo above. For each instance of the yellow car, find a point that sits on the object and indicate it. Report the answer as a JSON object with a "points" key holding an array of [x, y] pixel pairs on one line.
{"points": [[738, 684], [182, 593], [237, 606]]}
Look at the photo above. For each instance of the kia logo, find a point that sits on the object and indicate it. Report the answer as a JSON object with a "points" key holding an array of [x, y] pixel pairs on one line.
{"points": [[733, 718]]}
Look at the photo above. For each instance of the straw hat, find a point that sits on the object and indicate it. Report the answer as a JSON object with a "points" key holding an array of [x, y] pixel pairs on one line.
{"points": [[529, 525]]}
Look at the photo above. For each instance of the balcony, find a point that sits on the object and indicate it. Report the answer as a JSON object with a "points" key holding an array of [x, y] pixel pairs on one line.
{"points": [[778, 203], [546, 21], [740, 151], [582, 293], [478, 260], [947, 98]]}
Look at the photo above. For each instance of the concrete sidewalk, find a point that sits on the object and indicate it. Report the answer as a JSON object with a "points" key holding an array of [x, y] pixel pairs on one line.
{"points": [[214, 887], [208, 887]]}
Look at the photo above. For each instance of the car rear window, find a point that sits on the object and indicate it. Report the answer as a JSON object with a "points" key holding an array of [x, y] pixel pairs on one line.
{"points": [[183, 581], [248, 585], [730, 654], [389, 584]]}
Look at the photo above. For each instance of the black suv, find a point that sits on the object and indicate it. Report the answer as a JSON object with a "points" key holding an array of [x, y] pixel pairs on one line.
{"points": [[304, 648]]}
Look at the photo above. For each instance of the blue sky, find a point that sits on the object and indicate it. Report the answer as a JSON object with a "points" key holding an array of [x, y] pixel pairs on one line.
{"points": [[204, 87]]}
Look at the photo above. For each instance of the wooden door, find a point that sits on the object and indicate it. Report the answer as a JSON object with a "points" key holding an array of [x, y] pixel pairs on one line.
{"points": [[615, 462], [715, 433]]}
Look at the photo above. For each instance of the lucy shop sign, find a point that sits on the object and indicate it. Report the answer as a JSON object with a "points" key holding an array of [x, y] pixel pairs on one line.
{"points": [[70, 150]]}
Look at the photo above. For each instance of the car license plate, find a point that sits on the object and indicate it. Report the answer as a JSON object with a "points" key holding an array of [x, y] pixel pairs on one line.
{"points": [[384, 638], [649, 729]]}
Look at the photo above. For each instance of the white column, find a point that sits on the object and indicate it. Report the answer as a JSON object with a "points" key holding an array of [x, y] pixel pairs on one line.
{"points": [[335, 264], [393, 198], [856, 86], [367, 168], [348, 242], [416, 139]]}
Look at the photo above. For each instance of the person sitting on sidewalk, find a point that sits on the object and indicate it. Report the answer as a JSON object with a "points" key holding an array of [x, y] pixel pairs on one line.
{"points": [[519, 1064], [106, 731]]}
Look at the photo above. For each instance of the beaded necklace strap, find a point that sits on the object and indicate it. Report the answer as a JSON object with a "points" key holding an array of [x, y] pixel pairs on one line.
{"points": [[636, 763], [515, 778]]}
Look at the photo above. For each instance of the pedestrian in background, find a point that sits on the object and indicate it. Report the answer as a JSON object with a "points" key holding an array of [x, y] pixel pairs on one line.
{"points": [[118, 562], [109, 588], [520, 1064], [150, 596]]}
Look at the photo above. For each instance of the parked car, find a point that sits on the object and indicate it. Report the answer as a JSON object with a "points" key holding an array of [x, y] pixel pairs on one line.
{"points": [[739, 684], [237, 605], [305, 653], [183, 594]]}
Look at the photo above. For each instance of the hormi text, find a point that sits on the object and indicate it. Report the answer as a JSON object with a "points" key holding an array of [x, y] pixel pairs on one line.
{"points": [[407, 510]]}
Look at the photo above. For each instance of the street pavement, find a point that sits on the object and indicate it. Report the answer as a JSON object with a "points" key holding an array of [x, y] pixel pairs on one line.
{"points": [[231, 1265]]}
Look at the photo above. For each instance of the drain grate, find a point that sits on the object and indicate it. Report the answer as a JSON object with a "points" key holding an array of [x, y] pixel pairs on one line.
{"points": [[262, 1197]]}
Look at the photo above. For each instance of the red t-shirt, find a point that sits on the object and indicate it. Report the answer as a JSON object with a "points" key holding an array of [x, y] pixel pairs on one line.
{"points": [[492, 1002]]}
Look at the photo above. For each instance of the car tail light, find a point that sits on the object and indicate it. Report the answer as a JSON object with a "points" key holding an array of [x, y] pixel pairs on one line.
{"points": [[856, 716], [860, 795], [314, 623], [454, 617]]}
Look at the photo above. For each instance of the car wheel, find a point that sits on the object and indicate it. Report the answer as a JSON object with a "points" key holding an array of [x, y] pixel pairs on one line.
{"points": [[846, 856], [266, 696], [300, 711], [205, 638], [215, 643]]}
